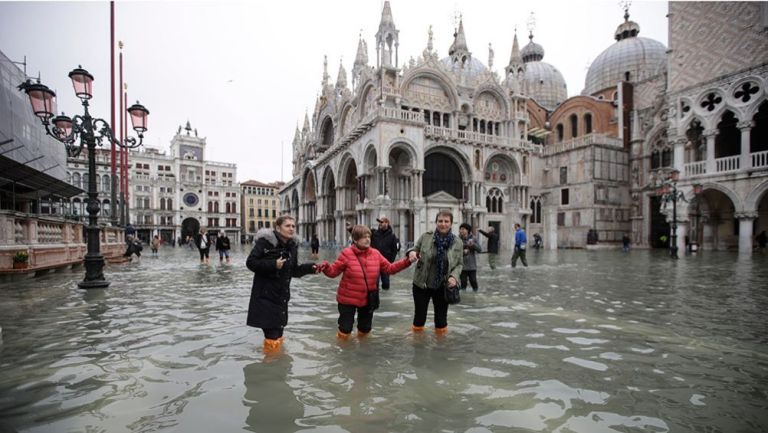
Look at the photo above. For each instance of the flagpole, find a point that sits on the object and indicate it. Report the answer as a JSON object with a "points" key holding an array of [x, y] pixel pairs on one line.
{"points": [[113, 209]]}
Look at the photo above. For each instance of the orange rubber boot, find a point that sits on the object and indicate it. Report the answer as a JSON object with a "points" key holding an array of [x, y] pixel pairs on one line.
{"points": [[272, 346], [342, 336], [415, 328], [361, 334], [441, 331]]}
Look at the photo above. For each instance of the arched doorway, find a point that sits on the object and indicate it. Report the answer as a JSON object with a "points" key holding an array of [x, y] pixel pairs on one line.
{"points": [[189, 228], [712, 218], [442, 174]]}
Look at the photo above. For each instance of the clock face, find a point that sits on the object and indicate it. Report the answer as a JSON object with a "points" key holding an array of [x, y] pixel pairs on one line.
{"points": [[190, 199]]}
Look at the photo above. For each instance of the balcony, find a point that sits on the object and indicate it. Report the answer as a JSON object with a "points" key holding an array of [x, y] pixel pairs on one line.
{"points": [[449, 134], [584, 141], [728, 164]]}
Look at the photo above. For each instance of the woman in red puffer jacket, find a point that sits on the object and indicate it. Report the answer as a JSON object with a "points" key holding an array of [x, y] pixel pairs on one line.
{"points": [[361, 266]]}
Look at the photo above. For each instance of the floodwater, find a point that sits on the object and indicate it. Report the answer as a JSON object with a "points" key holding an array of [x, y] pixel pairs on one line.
{"points": [[580, 341]]}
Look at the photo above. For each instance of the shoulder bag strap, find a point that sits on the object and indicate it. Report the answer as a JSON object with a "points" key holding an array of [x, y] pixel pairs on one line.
{"points": [[365, 277]]}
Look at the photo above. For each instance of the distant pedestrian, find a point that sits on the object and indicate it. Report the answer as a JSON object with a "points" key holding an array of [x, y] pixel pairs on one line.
{"points": [[361, 266], [133, 247], [130, 233], [223, 245], [314, 244], [471, 248], [521, 244], [203, 243], [387, 243], [762, 240], [155, 245], [537, 242], [625, 242], [493, 246]]}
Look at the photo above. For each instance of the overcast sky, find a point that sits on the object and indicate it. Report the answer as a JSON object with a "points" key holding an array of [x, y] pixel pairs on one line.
{"points": [[244, 73]]}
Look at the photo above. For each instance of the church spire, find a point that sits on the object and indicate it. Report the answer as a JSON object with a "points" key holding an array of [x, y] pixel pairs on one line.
{"points": [[326, 77], [515, 59], [459, 52], [361, 61], [387, 39], [341, 80]]}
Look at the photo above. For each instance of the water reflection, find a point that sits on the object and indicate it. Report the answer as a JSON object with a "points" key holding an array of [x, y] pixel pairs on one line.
{"points": [[577, 342], [269, 397]]}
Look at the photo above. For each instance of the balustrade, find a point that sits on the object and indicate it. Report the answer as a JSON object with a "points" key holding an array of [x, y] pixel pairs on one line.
{"points": [[695, 168], [728, 163], [760, 159]]}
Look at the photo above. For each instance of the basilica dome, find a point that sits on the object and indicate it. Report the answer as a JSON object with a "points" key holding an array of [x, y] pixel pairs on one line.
{"points": [[630, 59], [474, 67], [542, 81]]}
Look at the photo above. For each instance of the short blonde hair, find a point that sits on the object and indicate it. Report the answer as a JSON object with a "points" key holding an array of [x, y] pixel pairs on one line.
{"points": [[359, 232]]}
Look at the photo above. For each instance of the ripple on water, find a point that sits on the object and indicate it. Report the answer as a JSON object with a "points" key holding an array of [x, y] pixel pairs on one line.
{"points": [[592, 365], [165, 349]]}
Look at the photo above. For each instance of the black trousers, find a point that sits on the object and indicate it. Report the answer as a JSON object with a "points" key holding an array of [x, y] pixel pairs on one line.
{"points": [[272, 333], [204, 253], [347, 318], [421, 298], [472, 279]]}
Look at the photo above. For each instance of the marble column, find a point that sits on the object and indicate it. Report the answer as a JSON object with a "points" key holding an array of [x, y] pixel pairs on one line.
{"points": [[710, 135], [745, 160], [746, 220]]}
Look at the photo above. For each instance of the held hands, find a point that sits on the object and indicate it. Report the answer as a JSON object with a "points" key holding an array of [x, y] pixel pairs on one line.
{"points": [[413, 256], [320, 267]]}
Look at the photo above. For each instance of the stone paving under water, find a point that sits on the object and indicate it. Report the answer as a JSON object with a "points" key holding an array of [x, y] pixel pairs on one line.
{"points": [[580, 341]]}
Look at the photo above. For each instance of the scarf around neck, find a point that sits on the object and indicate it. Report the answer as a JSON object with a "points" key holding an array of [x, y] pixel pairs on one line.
{"points": [[442, 243]]}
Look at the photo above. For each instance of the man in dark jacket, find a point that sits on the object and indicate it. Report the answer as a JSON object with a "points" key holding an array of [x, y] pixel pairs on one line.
{"points": [[493, 245], [223, 245], [386, 242]]}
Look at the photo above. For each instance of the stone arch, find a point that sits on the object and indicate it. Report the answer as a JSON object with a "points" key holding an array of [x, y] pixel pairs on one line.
{"points": [[751, 110], [728, 138], [496, 93], [326, 134], [309, 186], [346, 122], [368, 100], [516, 175], [402, 159], [406, 146], [294, 211], [442, 80], [350, 184], [752, 202], [738, 204], [370, 159], [432, 181]]}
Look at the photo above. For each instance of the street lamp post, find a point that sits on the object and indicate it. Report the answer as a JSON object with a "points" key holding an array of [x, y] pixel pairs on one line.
{"points": [[669, 193], [90, 132]]}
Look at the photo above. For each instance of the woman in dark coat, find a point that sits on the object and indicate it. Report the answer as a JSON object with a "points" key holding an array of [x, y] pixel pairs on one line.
{"points": [[274, 261]]}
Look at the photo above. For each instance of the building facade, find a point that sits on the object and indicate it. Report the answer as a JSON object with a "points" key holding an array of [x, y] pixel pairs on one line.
{"points": [[170, 195], [408, 140], [259, 206]]}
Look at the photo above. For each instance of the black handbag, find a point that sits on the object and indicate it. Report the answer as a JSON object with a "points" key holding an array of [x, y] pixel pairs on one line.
{"points": [[373, 295], [452, 294]]}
